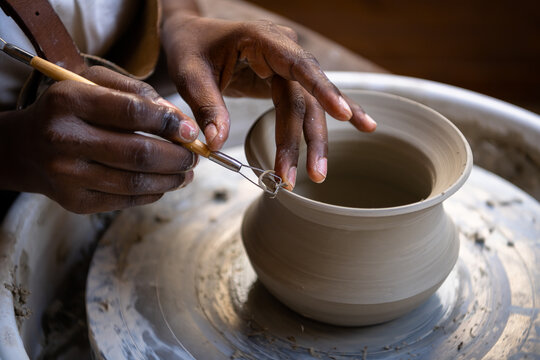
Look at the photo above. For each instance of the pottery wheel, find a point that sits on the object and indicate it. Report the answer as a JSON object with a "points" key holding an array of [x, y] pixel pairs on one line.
{"points": [[172, 281]]}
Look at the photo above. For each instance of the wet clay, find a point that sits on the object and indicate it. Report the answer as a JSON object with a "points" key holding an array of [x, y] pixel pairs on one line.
{"points": [[373, 241]]}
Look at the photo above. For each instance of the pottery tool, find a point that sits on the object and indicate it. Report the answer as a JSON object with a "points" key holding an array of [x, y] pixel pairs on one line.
{"points": [[267, 179]]}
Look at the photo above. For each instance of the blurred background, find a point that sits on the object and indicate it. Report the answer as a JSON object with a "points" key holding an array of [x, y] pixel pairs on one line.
{"points": [[492, 47]]}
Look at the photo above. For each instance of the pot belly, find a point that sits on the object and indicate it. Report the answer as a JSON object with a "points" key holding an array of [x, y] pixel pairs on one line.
{"points": [[350, 277]]}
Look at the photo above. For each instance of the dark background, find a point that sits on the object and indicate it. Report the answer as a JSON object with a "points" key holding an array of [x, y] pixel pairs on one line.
{"points": [[492, 47]]}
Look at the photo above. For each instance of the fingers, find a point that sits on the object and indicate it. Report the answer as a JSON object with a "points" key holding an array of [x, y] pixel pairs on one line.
{"points": [[88, 187], [198, 86], [290, 109], [271, 49], [136, 152], [360, 119], [316, 136], [247, 83], [297, 112], [122, 110], [89, 154], [95, 201], [113, 80], [290, 33], [107, 180]]}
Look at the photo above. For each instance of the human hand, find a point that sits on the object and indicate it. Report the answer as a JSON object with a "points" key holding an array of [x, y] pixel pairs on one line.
{"points": [[77, 144], [211, 57]]}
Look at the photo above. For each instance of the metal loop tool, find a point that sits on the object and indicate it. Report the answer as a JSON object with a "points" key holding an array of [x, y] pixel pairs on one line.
{"points": [[267, 179]]}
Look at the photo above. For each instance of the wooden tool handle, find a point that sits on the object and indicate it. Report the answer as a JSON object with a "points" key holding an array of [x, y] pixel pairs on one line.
{"points": [[59, 73], [198, 147], [56, 72]]}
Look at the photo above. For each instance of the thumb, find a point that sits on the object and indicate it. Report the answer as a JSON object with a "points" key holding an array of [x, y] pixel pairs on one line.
{"points": [[165, 120]]}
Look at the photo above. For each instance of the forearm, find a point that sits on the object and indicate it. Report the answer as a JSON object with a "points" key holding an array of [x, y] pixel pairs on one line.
{"points": [[176, 14], [179, 6]]}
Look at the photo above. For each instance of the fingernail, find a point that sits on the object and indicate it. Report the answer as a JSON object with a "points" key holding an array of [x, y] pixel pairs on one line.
{"points": [[195, 160], [371, 121], [322, 168], [291, 176], [162, 101], [188, 131], [345, 108], [192, 164], [210, 133]]}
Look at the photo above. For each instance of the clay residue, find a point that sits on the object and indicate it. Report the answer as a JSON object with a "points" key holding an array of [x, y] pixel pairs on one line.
{"points": [[507, 155], [20, 297], [221, 195], [493, 203], [64, 320], [161, 219]]}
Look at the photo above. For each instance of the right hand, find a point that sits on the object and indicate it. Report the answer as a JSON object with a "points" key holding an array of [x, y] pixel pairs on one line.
{"points": [[211, 57], [77, 144]]}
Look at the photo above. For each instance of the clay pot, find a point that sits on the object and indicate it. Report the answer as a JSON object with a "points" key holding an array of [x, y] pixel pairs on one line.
{"points": [[373, 241]]}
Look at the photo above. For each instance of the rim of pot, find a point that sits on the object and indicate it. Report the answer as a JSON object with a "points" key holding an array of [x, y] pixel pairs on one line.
{"points": [[433, 200]]}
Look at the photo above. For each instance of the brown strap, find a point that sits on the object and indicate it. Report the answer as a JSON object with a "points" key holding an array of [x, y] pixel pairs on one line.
{"points": [[45, 30]]}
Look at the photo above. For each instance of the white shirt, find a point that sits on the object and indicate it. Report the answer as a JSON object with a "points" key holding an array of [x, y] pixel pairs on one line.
{"points": [[94, 25]]}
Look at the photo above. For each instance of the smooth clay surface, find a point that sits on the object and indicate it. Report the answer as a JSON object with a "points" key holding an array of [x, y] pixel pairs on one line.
{"points": [[373, 241], [363, 174], [172, 281]]}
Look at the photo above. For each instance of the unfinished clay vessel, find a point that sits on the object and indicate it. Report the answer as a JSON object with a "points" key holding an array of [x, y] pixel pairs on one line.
{"points": [[373, 241]]}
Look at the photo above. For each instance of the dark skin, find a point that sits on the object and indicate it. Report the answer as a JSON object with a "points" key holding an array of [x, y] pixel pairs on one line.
{"points": [[77, 143], [256, 59]]}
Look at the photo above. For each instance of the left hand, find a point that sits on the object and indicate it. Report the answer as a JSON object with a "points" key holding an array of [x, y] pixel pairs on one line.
{"points": [[210, 57]]}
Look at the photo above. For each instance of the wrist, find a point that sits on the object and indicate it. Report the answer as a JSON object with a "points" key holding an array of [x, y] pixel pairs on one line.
{"points": [[178, 10], [176, 19], [174, 26], [170, 6]]}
